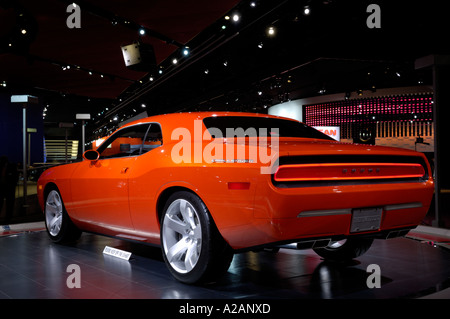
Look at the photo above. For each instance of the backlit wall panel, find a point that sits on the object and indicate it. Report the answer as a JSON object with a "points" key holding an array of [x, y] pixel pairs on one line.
{"points": [[409, 115]]}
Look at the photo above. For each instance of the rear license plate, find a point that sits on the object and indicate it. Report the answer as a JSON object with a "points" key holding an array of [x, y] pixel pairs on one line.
{"points": [[365, 219]]}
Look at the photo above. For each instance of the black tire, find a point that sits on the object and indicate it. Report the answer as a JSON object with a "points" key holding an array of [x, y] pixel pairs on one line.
{"points": [[60, 228], [344, 251], [192, 247]]}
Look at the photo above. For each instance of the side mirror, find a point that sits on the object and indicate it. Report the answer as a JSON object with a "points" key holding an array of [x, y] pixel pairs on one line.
{"points": [[91, 155]]}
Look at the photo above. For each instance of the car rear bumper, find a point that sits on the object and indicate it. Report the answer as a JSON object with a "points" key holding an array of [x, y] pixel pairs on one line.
{"points": [[294, 214]]}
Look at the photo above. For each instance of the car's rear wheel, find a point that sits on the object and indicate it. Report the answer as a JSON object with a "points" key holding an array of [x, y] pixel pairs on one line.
{"points": [[59, 226], [345, 249], [193, 249]]}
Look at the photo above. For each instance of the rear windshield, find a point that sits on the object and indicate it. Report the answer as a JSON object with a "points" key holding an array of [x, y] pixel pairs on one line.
{"points": [[241, 126]]}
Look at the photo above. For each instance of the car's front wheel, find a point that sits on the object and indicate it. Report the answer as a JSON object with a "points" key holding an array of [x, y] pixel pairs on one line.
{"points": [[345, 249], [59, 226], [193, 249]]}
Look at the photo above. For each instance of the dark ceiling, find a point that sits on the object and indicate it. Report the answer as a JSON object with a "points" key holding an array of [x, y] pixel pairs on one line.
{"points": [[233, 65], [67, 67], [49, 44]]}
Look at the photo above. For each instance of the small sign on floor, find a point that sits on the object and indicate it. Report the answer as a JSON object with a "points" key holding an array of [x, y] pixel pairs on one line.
{"points": [[122, 254]]}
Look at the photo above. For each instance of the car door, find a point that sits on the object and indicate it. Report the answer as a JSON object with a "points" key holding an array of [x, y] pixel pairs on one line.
{"points": [[100, 189]]}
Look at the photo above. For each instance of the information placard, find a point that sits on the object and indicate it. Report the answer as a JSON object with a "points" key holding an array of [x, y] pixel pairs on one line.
{"points": [[122, 254]]}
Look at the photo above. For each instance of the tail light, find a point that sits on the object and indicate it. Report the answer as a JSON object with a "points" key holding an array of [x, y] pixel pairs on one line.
{"points": [[348, 171]]}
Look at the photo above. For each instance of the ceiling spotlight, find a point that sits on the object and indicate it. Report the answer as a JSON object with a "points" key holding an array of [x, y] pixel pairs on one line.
{"points": [[143, 105], [271, 31], [151, 78], [252, 4], [174, 61], [186, 51], [225, 63], [142, 31], [306, 10], [227, 17], [236, 17], [23, 31], [206, 71], [260, 45], [4, 84]]}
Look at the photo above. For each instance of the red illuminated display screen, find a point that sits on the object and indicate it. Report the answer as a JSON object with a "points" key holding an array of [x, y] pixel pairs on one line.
{"points": [[349, 114]]}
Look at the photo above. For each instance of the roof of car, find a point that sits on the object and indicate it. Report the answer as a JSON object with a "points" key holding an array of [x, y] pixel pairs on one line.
{"points": [[177, 119]]}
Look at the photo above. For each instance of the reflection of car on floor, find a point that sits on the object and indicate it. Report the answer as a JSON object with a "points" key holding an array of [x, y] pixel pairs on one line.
{"points": [[204, 186]]}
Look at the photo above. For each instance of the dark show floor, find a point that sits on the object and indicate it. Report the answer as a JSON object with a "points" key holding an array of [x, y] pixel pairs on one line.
{"points": [[31, 266]]}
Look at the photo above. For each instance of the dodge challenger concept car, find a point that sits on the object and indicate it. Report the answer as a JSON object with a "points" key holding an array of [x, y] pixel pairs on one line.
{"points": [[204, 186]]}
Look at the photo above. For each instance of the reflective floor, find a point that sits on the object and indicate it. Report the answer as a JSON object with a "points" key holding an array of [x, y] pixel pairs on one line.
{"points": [[33, 267]]}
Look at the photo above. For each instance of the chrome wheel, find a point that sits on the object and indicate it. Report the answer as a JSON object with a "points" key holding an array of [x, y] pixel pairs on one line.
{"points": [[182, 239], [53, 213]]}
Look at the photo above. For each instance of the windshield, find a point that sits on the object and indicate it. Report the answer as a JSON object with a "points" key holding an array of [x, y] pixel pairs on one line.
{"points": [[241, 126]]}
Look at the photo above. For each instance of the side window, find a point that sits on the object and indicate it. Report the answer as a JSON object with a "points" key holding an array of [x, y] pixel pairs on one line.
{"points": [[153, 139], [126, 142]]}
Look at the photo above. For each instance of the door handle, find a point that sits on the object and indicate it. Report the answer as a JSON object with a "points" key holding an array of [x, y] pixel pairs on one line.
{"points": [[124, 170]]}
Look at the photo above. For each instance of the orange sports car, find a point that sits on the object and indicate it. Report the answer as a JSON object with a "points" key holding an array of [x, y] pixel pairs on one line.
{"points": [[204, 186]]}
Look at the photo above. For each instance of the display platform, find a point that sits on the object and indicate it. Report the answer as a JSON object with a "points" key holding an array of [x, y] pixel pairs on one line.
{"points": [[31, 266]]}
